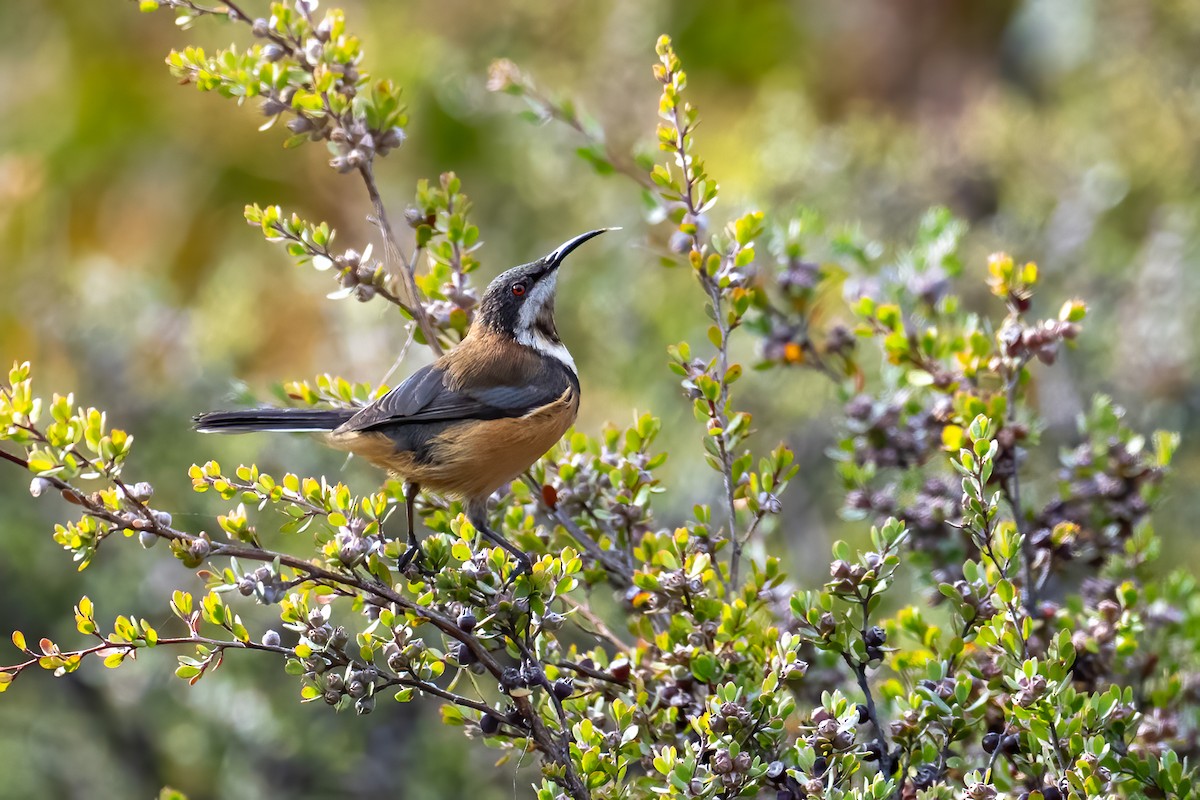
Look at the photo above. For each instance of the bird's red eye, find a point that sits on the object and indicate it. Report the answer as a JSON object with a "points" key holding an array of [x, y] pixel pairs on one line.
{"points": [[518, 289]]}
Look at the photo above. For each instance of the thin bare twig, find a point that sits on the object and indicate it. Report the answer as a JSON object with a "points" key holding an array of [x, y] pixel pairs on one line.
{"points": [[20, 462], [391, 248], [601, 628], [589, 672], [620, 572], [131, 647], [560, 746], [1011, 488], [408, 340]]}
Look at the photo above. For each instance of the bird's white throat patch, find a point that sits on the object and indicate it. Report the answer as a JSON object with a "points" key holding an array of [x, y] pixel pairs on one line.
{"points": [[547, 347], [529, 334]]}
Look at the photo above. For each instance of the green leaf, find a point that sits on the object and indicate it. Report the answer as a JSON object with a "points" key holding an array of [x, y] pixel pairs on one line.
{"points": [[186, 671]]}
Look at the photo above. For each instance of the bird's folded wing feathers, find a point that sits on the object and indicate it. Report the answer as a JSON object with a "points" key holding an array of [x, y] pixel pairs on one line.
{"points": [[424, 397]]}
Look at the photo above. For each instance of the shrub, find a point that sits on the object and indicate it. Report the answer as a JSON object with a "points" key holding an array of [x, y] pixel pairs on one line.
{"points": [[997, 633]]}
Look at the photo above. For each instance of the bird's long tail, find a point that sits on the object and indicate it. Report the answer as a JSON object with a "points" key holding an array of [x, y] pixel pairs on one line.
{"points": [[271, 419]]}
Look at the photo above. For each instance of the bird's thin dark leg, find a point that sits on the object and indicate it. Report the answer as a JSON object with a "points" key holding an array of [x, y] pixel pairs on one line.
{"points": [[477, 514], [411, 490]]}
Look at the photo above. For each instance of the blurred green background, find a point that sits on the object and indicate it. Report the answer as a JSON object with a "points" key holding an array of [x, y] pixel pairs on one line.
{"points": [[1064, 131]]}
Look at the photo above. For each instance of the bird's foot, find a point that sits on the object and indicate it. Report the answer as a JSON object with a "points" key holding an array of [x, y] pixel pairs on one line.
{"points": [[524, 567], [408, 556]]}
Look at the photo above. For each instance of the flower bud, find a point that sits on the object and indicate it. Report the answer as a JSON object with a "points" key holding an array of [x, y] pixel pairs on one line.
{"points": [[300, 125], [338, 638], [464, 655], [200, 548], [390, 140]]}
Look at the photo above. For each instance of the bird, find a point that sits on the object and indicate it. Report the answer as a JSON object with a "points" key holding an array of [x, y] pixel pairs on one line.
{"points": [[471, 421]]}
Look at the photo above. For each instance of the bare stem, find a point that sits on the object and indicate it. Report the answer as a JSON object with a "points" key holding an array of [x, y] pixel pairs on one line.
{"points": [[601, 628], [391, 248], [556, 747], [860, 675], [859, 669], [618, 568], [1011, 488], [436, 691], [589, 672], [20, 462], [220, 645]]}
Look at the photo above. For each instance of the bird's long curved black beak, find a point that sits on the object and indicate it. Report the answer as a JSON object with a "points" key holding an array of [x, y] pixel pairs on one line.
{"points": [[564, 249]]}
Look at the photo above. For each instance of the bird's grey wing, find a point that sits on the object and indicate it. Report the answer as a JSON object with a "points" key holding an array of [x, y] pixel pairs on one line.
{"points": [[424, 397]]}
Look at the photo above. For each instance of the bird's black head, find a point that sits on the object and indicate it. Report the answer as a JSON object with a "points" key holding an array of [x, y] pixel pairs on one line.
{"points": [[519, 304]]}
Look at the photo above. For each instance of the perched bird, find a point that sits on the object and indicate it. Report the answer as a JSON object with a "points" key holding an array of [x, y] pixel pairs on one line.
{"points": [[471, 421]]}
